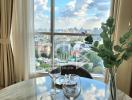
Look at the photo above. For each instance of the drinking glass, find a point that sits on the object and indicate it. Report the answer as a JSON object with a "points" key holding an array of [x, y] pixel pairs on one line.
{"points": [[72, 86], [54, 73]]}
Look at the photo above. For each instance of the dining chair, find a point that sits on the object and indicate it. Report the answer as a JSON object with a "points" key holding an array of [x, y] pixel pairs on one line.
{"points": [[73, 69]]}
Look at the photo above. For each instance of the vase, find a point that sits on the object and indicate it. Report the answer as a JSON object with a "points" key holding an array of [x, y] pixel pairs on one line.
{"points": [[112, 88]]}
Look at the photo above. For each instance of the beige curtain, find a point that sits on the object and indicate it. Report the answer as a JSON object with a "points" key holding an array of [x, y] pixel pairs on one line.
{"points": [[23, 41], [7, 73], [121, 10]]}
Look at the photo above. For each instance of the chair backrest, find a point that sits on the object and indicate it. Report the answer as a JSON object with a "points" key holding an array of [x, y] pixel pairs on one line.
{"points": [[55, 70], [72, 69], [68, 69]]}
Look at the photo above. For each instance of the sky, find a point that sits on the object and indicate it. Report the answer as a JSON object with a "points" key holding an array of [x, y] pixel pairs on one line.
{"points": [[87, 14]]}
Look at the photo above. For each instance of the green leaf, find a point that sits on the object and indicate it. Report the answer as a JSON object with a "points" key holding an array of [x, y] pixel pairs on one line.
{"points": [[100, 54], [125, 37], [110, 22], [108, 65], [105, 51], [118, 62], [130, 45], [96, 43], [95, 49], [104, 36], [129, 53], [112, 30], [125, 56], [122, 40], [104, 27], [108, 44], [118, 48]]}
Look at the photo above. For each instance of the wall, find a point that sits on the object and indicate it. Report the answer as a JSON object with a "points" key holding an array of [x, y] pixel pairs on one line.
{"points": [[125, 70]]}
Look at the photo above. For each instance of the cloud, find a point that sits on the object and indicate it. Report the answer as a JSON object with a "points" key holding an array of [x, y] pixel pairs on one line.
{"points": [[41, 14], [83, 13], [101, 8], [83, 7], [75, 13], [87, 23], [77, 8], [71, 5], [100, 5], [91, 23], [42, 22], [44, 4], [41, 4]]}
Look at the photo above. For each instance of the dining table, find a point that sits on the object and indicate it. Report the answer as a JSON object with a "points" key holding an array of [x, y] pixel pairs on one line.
{"points": [[38, 89]]}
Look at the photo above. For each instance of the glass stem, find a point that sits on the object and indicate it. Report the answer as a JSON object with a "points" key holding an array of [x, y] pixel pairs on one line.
{"points": [[54, 85]]}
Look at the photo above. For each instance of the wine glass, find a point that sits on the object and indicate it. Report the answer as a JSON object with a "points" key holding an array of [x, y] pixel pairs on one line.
{"points": [[54, 73], [72, 86]]}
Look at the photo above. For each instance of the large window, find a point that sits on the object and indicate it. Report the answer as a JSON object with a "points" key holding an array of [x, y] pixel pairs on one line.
{"points": [[60, 29]]}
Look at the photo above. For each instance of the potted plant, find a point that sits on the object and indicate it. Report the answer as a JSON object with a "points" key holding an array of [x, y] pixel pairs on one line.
{"points": [[112, 55]]}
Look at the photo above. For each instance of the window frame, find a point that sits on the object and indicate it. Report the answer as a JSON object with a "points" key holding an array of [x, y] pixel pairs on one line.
{"points": [[52, 33]]}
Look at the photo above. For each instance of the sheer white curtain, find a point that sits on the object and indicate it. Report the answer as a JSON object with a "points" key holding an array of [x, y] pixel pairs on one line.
{"points": [[22, 38], [121, 10]]}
